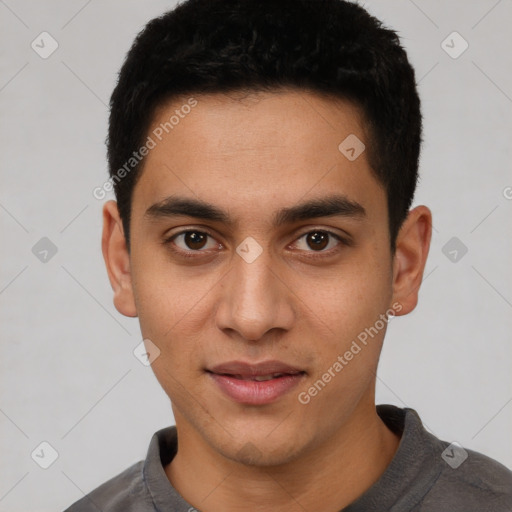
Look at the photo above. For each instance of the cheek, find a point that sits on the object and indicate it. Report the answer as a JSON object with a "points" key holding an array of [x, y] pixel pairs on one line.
{"points": [[347, 316], [175, 310], [347, 325], [164, 292], [161, 307], [354, 299]]}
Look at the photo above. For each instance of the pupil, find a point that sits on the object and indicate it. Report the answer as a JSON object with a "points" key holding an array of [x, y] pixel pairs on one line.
{"points": [[195, 240], [318, 240]]}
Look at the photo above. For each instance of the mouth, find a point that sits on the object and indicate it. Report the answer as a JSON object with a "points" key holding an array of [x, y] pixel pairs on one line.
{"points": [[255, 384], [259, 378]]}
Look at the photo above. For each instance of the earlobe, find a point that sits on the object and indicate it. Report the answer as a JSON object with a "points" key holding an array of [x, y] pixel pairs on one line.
{"points": [[117, 260], [412, 246]]}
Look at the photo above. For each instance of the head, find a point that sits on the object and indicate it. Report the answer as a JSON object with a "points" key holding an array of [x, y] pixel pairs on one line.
{"points": [[267, 218]]}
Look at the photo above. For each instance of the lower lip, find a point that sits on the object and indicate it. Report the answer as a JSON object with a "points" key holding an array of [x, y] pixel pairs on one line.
{"points": [[254, 392]]}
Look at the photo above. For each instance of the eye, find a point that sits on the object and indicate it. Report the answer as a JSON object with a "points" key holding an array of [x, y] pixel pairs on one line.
{"points": [[192, 241], [318, 241]]}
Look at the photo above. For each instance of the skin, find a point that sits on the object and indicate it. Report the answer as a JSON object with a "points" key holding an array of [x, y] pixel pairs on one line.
{"points": [[294, 303]]}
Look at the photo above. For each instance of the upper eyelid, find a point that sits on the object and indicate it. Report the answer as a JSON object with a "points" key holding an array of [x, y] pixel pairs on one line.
{"points": [[188, 230]]}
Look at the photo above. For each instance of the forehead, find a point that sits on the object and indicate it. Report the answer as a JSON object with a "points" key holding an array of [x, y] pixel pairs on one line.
{"points": [[223, 124], [254, 152]]}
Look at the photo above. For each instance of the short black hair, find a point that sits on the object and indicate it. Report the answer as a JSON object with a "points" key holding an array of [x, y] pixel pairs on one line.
{"points": [[334, 48]]}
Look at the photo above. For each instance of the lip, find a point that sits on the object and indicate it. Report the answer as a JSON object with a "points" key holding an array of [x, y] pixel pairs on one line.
{"points": [[235, 380]]}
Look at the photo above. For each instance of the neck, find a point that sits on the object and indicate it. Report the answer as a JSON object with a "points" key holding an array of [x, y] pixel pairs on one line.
{"points": [[335, 473]]}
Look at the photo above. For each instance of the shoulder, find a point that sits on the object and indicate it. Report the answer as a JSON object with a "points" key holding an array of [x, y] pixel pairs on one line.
{"points": [[124, 492], [447, 477], [478, 483], [133, 490]]}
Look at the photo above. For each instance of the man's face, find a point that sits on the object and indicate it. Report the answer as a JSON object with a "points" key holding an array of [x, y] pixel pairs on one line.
{"points": [[294, 294]]}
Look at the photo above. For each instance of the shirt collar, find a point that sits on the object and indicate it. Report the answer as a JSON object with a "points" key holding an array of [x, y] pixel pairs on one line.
{"points": [[162, 449], [413, 470]]}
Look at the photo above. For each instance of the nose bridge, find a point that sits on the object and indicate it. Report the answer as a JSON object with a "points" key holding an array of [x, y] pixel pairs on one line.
{"points": [[254, 300], [253, 287]]}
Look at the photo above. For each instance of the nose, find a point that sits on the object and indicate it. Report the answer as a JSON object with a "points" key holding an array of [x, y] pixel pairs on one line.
{"points": [[254, 299]]}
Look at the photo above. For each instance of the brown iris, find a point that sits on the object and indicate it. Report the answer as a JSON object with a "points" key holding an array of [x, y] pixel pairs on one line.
{"points": [[317, 240], [195, 239]]}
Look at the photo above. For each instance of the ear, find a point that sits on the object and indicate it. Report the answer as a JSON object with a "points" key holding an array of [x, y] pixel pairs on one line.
{"points": [[412, 246], [117, 260]]}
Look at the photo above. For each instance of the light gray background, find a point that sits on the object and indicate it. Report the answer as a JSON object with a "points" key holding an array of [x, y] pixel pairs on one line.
{"points": [[68, 375]]}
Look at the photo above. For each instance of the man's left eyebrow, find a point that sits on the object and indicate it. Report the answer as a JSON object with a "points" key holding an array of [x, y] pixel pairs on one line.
{"points": [[330, 206]]}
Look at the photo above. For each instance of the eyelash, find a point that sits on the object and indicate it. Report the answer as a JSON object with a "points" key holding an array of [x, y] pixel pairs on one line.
{"points": [[197, 253]]}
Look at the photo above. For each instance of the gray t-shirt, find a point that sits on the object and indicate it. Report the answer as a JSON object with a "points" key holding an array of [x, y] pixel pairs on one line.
{"points": [[425, 475]]}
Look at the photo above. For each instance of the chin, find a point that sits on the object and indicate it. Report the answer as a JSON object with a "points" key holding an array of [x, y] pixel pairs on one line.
{"points": [[259, 449]]}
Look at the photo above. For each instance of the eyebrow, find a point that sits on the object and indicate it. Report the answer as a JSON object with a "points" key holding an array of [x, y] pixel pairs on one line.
{"points": [[330, 206]]}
